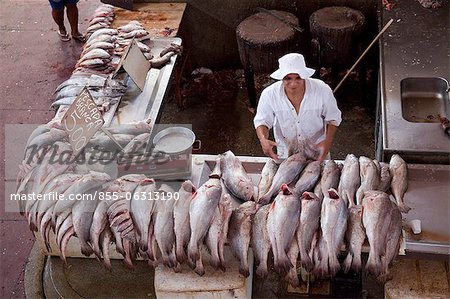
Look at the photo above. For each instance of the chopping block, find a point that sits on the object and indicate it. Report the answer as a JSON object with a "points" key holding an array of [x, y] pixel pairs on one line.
{"points": [[213, 284], [262, 39]]}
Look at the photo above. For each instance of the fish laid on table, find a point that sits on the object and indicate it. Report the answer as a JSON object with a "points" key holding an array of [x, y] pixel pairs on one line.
{"points": [[103, 31], [350, 180], [330, 176], [287, 172], [181, 220], [235, 177], [282, 222], [385, 177], [267, 174], [354, 239], [309, 223], [382, 221], [138, 34], [164, 227], [104, 38], [201, 213], [105, 142], [93, 54], [308, 177], [142, 207], [47, 138], [137, 144], [370, 177], [239, 233], [399, 183], [136, 128], [131, 26], [260, 240], [217, 233], [98, 45], [333, 223]]}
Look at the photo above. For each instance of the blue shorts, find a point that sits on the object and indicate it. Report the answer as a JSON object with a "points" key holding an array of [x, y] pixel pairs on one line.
{"points": [[59, 4]]}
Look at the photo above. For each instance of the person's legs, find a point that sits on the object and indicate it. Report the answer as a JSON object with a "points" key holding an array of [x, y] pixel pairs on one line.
{"points": [[58, 16], [72, 15]]}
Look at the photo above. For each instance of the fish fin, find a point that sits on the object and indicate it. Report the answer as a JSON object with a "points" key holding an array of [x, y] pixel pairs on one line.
{"points": [[347, 263], [283, 264]]}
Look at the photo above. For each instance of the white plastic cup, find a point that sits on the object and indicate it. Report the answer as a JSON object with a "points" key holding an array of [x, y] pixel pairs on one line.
{"points": [[416, 226]]}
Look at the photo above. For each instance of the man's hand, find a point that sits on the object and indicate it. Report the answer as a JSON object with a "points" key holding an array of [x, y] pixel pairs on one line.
{"points": [[267, 147], [324, 149]]}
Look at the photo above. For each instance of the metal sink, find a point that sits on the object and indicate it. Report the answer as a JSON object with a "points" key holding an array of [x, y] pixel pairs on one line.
{"points": [[424, 98]]}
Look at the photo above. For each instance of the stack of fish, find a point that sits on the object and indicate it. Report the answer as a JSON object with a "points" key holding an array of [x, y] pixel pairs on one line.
{"points": [[330, 215], [228, 208], [104, 90]]}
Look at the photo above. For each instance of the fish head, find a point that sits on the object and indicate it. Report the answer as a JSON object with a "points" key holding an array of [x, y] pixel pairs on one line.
{"points": [[333, 194], [286, 190], [188, 186]]}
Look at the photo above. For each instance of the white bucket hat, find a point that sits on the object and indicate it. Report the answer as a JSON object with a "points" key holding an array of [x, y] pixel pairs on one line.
{"points": [[292, 63]]}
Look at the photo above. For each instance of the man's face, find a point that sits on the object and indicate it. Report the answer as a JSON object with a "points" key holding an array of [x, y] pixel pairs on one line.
{"points": [[292, 82]]}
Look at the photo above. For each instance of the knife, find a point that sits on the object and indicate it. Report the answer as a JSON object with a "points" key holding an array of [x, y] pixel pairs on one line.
{"points": [[290, 24]]}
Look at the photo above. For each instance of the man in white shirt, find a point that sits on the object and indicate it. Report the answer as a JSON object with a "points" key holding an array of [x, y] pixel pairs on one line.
{"points": [[301, 110]]}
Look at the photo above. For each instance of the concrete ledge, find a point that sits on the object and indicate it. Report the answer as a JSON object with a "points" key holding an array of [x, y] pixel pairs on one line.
{"points": [[33, 273]]}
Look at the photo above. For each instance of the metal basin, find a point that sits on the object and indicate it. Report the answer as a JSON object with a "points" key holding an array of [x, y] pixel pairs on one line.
{"points": [[423, 99]]}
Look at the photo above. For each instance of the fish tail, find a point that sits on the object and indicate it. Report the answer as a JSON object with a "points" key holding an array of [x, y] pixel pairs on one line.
{"points": [[356, 263], [86, 250], [283, 264], [193, 251], [348, 262], [143, 244], [181, 253], [243, 269], [199, 269], [333, 265], [215, 261], [292, 278], [373, 264], [261, 270], [306, 263]]}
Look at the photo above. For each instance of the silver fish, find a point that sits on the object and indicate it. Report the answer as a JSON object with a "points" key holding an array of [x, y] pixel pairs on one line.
{"points": [[370, 177], [142, 208], [308, 177], [333, 224], [181, 219], [239, 233], [282, 222], [137, 144], [330, 176], [136, 128], [93, 54], [309, 223], [287, 172], [385, 177], [99, 224], [164, 227], [292, 276], [350, 180], [102, 31], [354, 238], [201, 213], [82, 215], [399, 183], [377, 210], [235, 177], [260, 240], [267, 174]]}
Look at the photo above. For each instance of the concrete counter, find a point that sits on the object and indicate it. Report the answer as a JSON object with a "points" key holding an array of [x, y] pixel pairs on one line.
{"points": [[416, 45]]}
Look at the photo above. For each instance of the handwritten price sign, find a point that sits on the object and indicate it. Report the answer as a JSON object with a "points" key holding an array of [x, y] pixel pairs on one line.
{"points": [[82, 120]]}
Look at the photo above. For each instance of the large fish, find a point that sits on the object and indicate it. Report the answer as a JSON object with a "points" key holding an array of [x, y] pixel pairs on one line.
{"points": [[399, 183], [239, 233], [333, 224], [267, 174], [235, 177], [330, 176], [309, 223], [287, 172], [370, 177], [201, 213], [354, 238], [142, 207], [217, 233], [282, 222], [181, 219], [377, 211], [308, 177], [350, 180], [260, 240], [385, 177], [164, 226], [392, 242]]}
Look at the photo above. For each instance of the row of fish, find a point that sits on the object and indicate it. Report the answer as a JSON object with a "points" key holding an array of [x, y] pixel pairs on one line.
{"points": [[293, 226], [351, 179]]}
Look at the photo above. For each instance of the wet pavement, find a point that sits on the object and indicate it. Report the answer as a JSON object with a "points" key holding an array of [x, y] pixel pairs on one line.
{"points": [[35, 61]]}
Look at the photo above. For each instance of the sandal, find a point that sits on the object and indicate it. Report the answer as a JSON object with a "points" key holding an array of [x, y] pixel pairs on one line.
{"points": [[81, 38], [64, 37]]}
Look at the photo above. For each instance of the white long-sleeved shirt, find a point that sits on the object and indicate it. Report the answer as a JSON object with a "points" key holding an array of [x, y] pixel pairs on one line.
{"points": [[317, 109]]}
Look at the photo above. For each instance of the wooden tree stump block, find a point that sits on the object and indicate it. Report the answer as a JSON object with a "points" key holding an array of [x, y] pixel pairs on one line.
{"points": [[336, 29], [262, 39]]}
